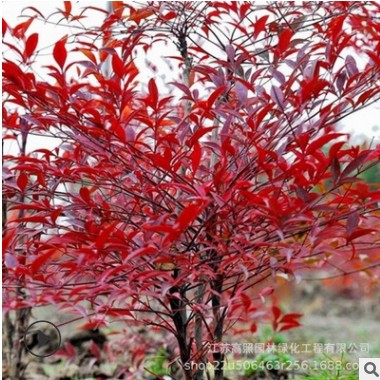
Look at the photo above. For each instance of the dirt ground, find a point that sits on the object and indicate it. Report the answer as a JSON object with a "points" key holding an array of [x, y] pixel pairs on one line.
{"points": [[337, 314]]}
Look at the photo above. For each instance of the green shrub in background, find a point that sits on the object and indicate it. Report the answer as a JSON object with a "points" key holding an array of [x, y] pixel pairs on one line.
{"points": [[336, 370]]}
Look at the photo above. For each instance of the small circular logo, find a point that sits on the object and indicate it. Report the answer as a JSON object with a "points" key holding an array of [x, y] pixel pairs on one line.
{"points": [[42, 339]]}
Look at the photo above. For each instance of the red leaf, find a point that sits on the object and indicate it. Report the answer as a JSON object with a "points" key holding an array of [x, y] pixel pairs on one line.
{"points": [[41, 260], [284, 40], [67, 5], [141, 14], [22, 181], [290, 318], [246, 301], [198, 134], [93, 324], [260, 25], [117, 66], [119, 131], [8, 238], [55, 214], [276, 312], [33, 219], [356, 163], [89, 54], [253, 328], [196, 157], [60, 53], [94, 349], [352, 223], [20, 29], [189, 214], [159, 228], [115, 312], [367, 95], [103, 236], [168, 16], [4, 27], [359, 233], [289, 326], [191, 77], [160, 161], [321, 141], [30, 45], [153, 92], [214, 96], [118, 7], [69, 351], [84, 192], [313, 88]]}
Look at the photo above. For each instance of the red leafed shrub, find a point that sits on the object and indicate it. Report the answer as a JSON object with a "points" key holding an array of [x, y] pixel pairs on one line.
{"points": [[169, 200]]}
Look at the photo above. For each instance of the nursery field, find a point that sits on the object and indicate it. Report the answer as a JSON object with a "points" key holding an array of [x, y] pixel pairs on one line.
{"points": [[191, 190], [336, 315]]}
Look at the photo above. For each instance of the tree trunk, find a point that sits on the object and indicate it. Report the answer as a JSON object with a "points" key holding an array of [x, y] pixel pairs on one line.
{"points": [[198, 333], [218, 328], [179, 318]]}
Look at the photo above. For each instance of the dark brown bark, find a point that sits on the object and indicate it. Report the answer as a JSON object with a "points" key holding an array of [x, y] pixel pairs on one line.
{"points": [[218, 327]]}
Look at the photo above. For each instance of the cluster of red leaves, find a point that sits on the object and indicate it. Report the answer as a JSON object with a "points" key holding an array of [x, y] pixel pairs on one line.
{"points": [[142, 202]]}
